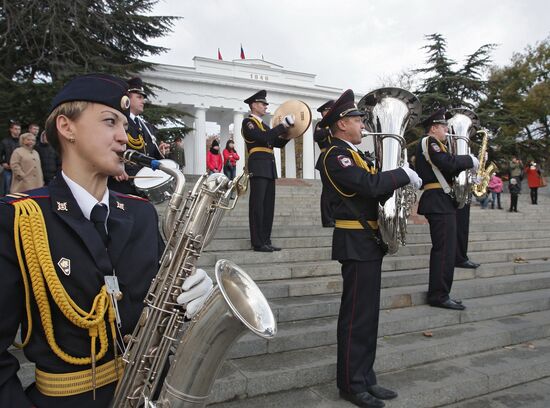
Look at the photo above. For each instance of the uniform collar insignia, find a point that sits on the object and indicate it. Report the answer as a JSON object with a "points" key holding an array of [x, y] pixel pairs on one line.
{"points": [[62, 206], [120, 205], [65, 266]]}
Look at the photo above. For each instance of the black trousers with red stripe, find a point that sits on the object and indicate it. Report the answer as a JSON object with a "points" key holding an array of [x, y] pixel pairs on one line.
{"points": [[358, 325], [261, 208], [442, 256]]}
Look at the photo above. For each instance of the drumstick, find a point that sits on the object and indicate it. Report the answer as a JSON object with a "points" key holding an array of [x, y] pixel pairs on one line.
{"points": [[136, 177]]}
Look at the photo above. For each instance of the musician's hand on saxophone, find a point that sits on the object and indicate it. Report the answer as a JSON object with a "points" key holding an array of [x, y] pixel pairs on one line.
{"points": [[196, 289], [415, 180]]}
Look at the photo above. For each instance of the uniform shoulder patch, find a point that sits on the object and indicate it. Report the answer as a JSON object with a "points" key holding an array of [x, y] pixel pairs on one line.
{"points": [[435, 147], [345, 161], [250, 125]]}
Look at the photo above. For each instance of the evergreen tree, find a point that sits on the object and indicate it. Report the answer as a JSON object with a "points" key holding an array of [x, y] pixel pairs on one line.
{"points": [[44, 43]]}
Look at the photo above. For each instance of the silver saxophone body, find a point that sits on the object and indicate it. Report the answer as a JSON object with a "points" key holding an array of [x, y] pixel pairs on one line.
{"points": [[389, 112], [170, 361], [462, 125]]}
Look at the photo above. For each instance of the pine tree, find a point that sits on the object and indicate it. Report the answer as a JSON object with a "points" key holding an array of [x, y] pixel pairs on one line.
{"points": [[44, 43]]}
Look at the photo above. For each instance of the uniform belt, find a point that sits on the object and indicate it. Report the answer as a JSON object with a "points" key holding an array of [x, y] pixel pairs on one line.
{"points": [[63, 385], [260, 149], [431, 186], [354, 224]]}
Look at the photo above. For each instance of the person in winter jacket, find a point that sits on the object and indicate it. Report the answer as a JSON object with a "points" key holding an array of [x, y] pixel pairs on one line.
{"points": [[495, 187], [214, 160]]}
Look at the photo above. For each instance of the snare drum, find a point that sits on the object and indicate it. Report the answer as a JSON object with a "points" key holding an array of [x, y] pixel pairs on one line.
{"points": [[156, 185]]}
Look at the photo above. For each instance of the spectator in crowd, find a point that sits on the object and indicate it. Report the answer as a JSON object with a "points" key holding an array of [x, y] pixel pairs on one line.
{"points": [[177, 152], [25, 166], [516, 169], [533, 180], [7, 146], [214, 158], [495, 187], [514, 188], [483, 201], [34, 129], [230, 158], [49, 159]]}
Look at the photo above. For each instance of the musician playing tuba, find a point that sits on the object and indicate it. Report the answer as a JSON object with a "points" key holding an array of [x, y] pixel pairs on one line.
{"points": [[356, 188], [97, 250], [437, 167]]}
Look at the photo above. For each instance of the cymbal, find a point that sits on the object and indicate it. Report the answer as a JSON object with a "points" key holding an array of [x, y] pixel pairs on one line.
{"points": [[302, 117]]}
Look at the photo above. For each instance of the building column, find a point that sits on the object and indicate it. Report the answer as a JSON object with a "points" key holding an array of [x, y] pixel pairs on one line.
{"points": [[238, 139], [200, 141], [290, 159], [308, 154]]}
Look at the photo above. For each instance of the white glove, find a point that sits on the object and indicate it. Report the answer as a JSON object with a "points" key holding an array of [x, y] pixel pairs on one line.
{"points": [[196, 289], [476, 162], [288, 121], [416, 182]]}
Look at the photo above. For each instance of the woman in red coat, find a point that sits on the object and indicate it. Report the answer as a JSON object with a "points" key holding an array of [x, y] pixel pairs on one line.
{"points": [[533, 180], [230, 157], [214, 160]]}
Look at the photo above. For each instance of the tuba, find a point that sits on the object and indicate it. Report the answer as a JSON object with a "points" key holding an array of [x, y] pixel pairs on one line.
{"points": [[169, 360], [389, 112], [302, 117], [462, 126]]}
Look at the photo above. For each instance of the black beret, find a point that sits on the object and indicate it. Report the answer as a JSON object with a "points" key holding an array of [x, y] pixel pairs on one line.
{"points": [[344, 106], [98, 88], [257, 97], [440, 116], [136, 85], [325, 106]]}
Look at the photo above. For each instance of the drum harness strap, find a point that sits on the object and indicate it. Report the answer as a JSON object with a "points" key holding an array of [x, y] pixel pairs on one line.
{"points": [[30, 231]]}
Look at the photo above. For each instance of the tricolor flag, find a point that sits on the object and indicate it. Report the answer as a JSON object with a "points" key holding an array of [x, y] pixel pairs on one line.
{"points": [[220, 55], [242, 53]]}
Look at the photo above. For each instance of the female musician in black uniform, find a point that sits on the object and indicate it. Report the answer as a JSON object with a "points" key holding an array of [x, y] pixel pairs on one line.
{"points": [[64, 248]]}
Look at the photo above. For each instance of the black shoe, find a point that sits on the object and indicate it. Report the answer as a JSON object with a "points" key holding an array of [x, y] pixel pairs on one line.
{"points": [[467, 264], [274, 248], [363, 399], [381, 392], [449, 304], [459, 301], [263, 248]]}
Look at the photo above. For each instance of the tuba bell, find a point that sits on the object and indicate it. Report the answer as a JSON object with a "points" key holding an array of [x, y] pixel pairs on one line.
{"points": [[389, 112], [462, 126]]}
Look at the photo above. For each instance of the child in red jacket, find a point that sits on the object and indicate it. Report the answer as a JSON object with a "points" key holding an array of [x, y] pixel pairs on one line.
{"points": [[214, 160], [230, 158]]}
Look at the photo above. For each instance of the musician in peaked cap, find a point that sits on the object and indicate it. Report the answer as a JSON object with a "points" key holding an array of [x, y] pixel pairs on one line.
{"points": [[98, 251], [321, 136], [356, 187], [260, 140], [437, 167], [141, 137]]}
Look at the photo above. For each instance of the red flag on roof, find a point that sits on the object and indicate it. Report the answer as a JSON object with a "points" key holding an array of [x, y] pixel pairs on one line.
{"points": [[219, 55], [242, 53]]}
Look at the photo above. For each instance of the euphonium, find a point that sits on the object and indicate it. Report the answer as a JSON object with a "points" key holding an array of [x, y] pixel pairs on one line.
{"points": [[389, 112], [190, 352], [462, 125], [484, 171]]}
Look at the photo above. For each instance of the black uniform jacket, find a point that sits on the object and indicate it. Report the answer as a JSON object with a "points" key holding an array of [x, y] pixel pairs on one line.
{"points": [[342, 176], [262, 164], [322, 137], [436, 201], [134, 250]]}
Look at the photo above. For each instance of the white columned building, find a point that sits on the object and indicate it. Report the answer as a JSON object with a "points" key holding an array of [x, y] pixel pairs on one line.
{"points": [[213, 92]]}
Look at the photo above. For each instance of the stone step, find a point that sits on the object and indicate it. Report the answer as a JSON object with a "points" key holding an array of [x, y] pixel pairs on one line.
{"points": [[295, 328], [318, 285], [403, 361], [491, 251], [241, 244]]}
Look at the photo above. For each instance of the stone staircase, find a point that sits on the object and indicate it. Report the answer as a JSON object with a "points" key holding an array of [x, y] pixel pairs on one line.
{"points": [[432, 357], [496, 353]]}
